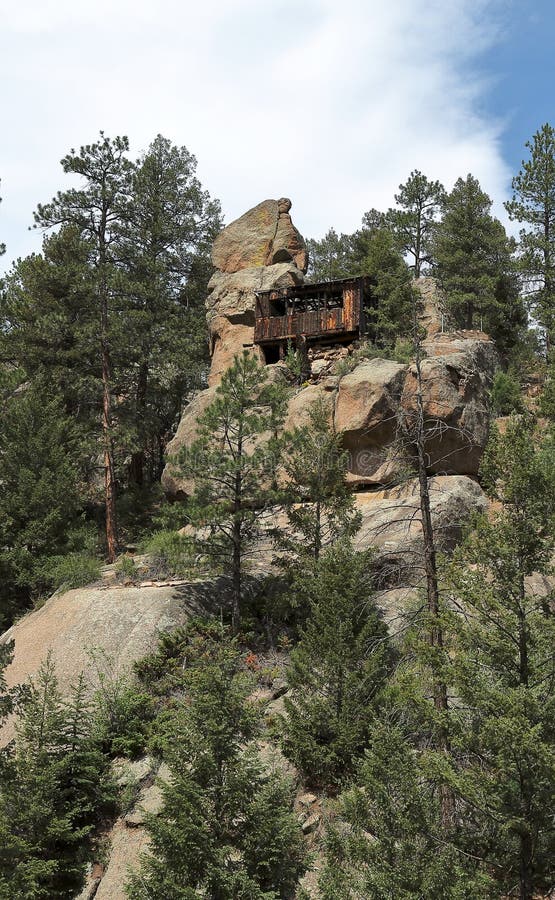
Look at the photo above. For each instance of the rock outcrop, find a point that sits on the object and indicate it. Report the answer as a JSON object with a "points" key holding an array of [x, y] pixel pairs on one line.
{"points": [[259, 251], [262, 250], [365, 404], [261, 237], [456, 378], [230, 310], [366, 410], [122, 623], [392, 524]]}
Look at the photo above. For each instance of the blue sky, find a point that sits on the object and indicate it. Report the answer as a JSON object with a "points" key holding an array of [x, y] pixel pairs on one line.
{"points": [[329, 103], [521, 65]]}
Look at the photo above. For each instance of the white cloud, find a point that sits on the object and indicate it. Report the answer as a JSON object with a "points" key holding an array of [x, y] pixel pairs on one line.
{"points": [[329, 103]]}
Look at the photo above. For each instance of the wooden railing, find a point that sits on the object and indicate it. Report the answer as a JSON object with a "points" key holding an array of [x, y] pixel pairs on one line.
{"points": [[311, 324]]}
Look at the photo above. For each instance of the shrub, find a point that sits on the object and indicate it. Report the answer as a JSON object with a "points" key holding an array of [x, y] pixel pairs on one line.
{"points": [[505, 394], [547, 398], [72, 571], [126, 569], [171, 554], [123, 711]]}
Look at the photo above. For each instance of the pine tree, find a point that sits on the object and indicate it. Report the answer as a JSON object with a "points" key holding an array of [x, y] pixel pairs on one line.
{"points": [[391, 314], [163, 247], [498, 664], [320, 509], [330, 257], [504, 671], [473, 262], [49, 326], [45, 840], [232, 462], [533, 203], [337, 669], [413, 224], [97, 210], [7, 695], [39, 502], [226, 830]]}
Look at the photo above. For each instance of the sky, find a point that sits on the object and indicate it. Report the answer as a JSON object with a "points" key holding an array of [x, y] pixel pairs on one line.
{"points": [[332, 104]]}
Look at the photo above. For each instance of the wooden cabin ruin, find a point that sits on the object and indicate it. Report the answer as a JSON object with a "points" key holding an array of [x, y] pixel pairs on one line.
{"points": [[327, 312]]}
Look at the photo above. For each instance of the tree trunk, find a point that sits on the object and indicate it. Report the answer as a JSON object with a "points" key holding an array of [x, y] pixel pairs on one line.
{"points": [[109, 471], [435, 635], [418, 245], [236, 564], [469, 324], [136, 469], [236, 578], [318, 533]]}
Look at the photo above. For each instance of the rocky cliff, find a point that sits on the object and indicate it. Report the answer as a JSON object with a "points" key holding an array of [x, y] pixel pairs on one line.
{"points": [[364, 395], [262, 250]]}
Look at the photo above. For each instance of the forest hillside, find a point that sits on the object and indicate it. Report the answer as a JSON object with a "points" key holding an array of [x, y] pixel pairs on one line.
{"points": [[277, 595]]}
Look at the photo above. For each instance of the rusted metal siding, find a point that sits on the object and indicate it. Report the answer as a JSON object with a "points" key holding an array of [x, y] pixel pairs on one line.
{"points": [[311, 324], [279, 314]]}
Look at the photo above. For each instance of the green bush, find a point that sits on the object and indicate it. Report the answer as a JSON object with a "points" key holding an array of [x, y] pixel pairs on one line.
{"points": [[547, 398], [72, 571], [123, 710], [171, 554], [126, 569], [505, 394]]}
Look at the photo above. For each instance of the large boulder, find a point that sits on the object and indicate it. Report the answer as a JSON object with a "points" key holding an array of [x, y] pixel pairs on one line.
{"points": [[301, 402], [456, 378], [392, 523], [233, 295], [230, 311], [366, 411], [122, 623], [262, 236], [176, 485]]}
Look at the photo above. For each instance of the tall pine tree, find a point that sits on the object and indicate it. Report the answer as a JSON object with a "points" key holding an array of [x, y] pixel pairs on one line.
{"points": [[232, 463], [420, 202], [533, 203], [97, 210], [474, 262]]}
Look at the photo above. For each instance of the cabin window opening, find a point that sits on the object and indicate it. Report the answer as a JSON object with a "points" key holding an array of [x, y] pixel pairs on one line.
{"points": [[278, 306]]}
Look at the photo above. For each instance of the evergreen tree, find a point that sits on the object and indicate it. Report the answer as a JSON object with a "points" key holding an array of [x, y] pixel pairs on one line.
{"points": [[338, 668], [499, 761], [319, 507], [547, 396], [39, 501], [394, 296], [389, 841], [49, 326], [504, 671], [474, 265], [533, 203], [97, 210], [331, 257], [164, 249], [232, 462], [45, 840], [226, 830], [420, 201], [372, 251], [6, 694]]}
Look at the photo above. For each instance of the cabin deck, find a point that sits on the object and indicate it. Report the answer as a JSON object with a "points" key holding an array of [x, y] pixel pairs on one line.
{"points": [[327, 309]]}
